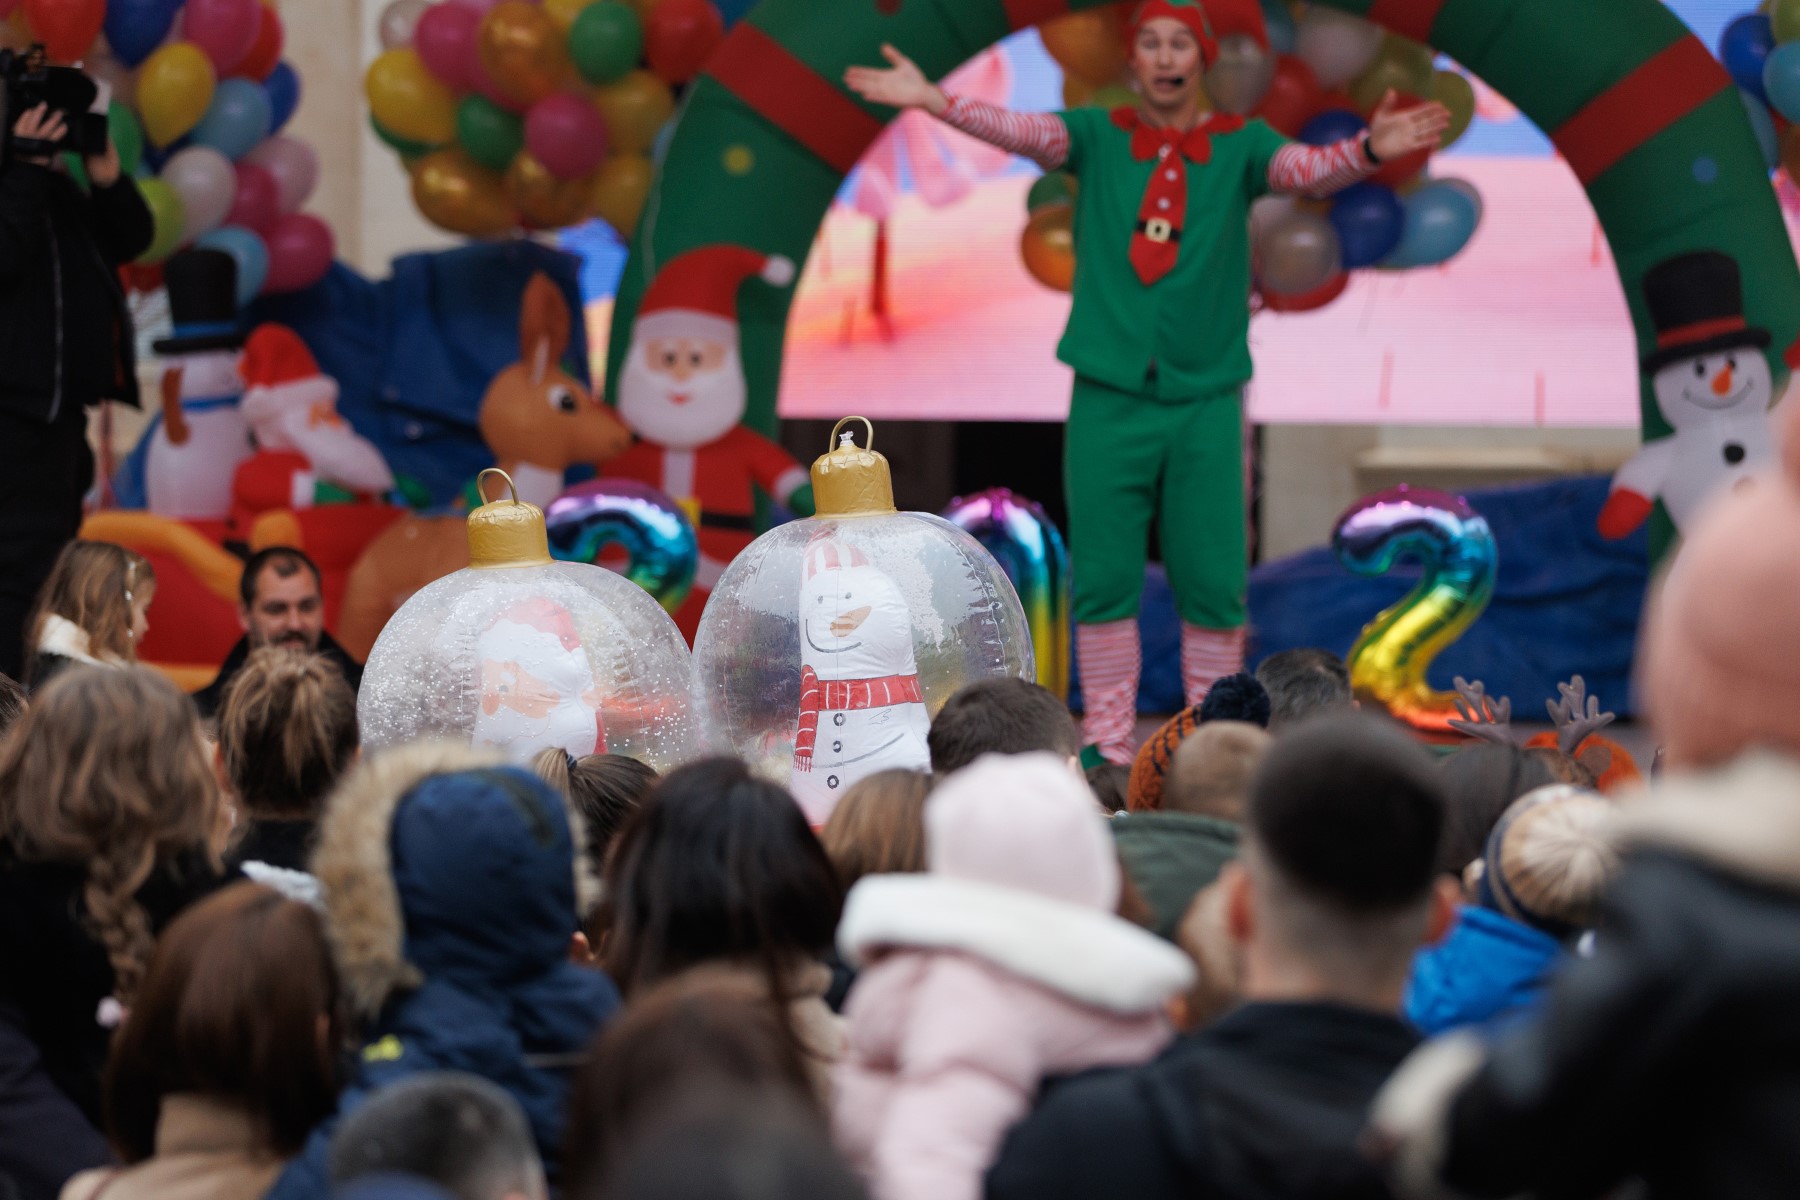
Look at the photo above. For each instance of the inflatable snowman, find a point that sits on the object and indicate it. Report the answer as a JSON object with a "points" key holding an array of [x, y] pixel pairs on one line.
{"points": [[861, 707], [195, 451], [1713, 386]]}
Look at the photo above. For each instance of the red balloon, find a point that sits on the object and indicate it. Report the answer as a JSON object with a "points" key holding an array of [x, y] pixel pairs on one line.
{"points": [[566, 134], [1231, 17], [445, 40], [1319, 297], [258, 200], [265, 52], [300, 250], [225, 30], [66, 27], [679, 36], [1397, 172], [1336, 101], [1293, 95]]}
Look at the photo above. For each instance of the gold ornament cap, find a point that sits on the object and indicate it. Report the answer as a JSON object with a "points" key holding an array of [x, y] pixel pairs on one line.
{"points": [[507, 533], [848, 480]]}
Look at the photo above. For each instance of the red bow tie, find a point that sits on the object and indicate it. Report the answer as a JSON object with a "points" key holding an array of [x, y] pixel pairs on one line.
{"points": [[1156, 239]]}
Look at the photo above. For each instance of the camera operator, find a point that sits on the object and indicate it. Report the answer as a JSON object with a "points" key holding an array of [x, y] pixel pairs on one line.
{"points": [[65, 345]]}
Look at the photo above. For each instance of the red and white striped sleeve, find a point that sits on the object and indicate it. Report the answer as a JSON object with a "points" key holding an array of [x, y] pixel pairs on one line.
{"points": [[1041, 137], [1317, 172]]}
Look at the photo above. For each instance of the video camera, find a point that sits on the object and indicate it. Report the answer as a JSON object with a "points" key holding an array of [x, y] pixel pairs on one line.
{"points": [[27, 80]]}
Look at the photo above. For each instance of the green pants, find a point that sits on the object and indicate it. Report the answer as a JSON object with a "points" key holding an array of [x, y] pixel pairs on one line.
{"points": [[1131, 457]]}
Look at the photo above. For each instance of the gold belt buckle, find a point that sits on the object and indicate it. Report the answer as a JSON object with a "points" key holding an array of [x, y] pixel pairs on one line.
{"points": [[1158, 229]]}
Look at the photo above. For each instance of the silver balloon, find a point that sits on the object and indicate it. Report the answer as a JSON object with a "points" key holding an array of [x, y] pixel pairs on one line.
{"points": [[398, 21], [1468, 189], [1237, 81], [1337, 46], [1265, 213], [1300, 253]]}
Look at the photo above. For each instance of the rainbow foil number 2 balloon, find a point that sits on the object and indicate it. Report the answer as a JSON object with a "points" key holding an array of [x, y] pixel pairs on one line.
{"points": [[1456, 549]]}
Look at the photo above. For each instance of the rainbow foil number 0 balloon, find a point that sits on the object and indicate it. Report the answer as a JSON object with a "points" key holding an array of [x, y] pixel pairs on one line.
{"points": [[655, 534], [1456, 549], [1030, 550]]}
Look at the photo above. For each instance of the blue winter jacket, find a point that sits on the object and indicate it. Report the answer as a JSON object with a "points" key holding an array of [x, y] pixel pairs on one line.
{"points": [[1489, 968]]}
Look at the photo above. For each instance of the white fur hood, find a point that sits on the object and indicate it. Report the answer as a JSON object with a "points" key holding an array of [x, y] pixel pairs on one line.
{"points": [[1744, 818], [1089, 956]]}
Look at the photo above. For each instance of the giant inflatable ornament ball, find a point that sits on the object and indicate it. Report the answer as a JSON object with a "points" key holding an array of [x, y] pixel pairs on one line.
{"points": [[524, 653], [829, 642]]}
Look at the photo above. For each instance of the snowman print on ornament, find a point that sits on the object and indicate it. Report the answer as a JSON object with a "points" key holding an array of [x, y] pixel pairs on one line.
{"points": [[861, 707], [1712, 385]]}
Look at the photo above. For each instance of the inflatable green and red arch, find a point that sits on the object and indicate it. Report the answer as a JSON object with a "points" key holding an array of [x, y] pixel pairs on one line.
{"points": [[1650, 122]]}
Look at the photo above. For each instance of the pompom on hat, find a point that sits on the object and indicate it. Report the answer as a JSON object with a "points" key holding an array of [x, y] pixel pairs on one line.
{"points": [[1549, 859], [1722, 634]]}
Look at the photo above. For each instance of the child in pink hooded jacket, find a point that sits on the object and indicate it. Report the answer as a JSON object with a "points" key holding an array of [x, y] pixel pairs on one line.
{"points": [[1002, 965]]}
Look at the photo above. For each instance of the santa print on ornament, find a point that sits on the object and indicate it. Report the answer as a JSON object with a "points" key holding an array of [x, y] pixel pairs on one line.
{"points": [[537, 686], [1712, 385], [861, 708], [682, 392]]}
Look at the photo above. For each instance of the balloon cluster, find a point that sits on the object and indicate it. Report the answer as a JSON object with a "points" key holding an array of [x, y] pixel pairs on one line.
{"points": [[536, 115], [1761, 51], [200, 95], [1316, 77]]}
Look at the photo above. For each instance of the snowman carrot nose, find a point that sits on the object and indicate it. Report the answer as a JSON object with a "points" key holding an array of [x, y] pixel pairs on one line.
{"points": [[1721, 383]]}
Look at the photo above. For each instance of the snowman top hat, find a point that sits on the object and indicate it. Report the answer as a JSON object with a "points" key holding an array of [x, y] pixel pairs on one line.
{"points": [[1696, 302], [202, 287]]}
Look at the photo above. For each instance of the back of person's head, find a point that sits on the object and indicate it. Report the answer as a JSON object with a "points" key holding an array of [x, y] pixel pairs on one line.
{"points": [[1480, 781], [12, 703], [1303, 684], [1549, 860], [1342, 835], [717, 866], [1111, 785], [287, 731], [878, 828], [1213, 769], [707, 1030], [1000, 716], [239, 1005], [284, 561], [730, 1148], [106, 771], [92, 586], [459, 1131], [1024, 821], [606, 790]]}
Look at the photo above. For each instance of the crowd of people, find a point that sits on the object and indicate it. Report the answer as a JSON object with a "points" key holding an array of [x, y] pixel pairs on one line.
{"points": [[1291, 952]]}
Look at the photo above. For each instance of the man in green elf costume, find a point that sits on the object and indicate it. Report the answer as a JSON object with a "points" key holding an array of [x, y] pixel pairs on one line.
{"points": [[1158, 333]]}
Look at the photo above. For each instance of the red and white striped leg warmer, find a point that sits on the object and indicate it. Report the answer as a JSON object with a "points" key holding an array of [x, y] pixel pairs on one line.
{"points": [[1111, 660], [1207, 656]]}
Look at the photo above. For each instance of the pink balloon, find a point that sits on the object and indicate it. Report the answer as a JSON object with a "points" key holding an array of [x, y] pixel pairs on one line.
{"points": [[300, 250], [478, 78], [258, 200], [445, 40], [224, 29], [293, 164], [567, 135]]}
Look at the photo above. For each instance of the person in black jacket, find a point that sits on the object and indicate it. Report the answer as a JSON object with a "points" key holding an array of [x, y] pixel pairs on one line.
{"points": [[65, 345], [281, 603], [1336, 889]]}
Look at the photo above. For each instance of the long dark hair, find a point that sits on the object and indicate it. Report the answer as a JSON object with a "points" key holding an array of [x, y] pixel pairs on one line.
{"points": [[717, 866]]}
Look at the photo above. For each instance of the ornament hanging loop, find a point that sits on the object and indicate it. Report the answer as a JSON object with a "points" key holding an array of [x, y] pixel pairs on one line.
{"points": [[851, 480], [481, 485], [507, 532], [848, 441]]}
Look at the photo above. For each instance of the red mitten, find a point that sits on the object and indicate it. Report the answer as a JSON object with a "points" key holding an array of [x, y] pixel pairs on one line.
{"points": [[1625, 510]]}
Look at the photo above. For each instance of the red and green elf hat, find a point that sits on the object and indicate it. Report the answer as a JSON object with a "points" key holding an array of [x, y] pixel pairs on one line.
{"points": [[1189, 13]]}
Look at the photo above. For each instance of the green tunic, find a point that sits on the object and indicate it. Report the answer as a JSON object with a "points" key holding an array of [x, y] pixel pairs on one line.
{"points": [[1193, 324]]}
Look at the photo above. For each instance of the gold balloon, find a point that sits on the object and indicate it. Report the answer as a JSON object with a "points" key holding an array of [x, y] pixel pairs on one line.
{"points": [[523, 50], [1456, 93], [1402, 65], [1048, 246], [1075, 92], [456, 193], [635, 109], [1088, 44], [408, 101], [543, 200], [564, 12], [621, 186]]}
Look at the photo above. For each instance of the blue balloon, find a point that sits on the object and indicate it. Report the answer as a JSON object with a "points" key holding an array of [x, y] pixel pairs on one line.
{"points": [[1781, 80], [1332, 125], [1440, 220], [248, 250], [1284, 35], [1369, 219], [733, 10], [237, 121], [1763, 125], [134, 28], [1744, 47], [282, 87]]}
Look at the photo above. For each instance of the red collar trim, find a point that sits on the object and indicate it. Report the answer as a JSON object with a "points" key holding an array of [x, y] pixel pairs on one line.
{"points": [[1195, 144]]}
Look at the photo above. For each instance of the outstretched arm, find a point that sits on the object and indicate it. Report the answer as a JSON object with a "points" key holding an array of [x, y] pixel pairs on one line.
{"points": [[1041, 137], [1321, 171]]}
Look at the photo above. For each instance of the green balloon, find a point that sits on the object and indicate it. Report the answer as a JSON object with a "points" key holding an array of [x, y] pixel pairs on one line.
{"points": [[77, 170], [166, 211], [490, 134], [404, 147], [606, 40], [127, 135], [1058, 187], [1785, 16]]}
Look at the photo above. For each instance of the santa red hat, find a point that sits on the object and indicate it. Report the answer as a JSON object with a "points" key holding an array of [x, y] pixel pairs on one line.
{"points": [[826, 553], [1189, 13], [539, 623], [696, 293], [281, 373]]}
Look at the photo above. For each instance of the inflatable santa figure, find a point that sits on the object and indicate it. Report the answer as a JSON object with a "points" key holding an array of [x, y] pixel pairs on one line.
{"points": [[537, 686], [306, 454], [861, 707], [682, 393], [202, 436]]}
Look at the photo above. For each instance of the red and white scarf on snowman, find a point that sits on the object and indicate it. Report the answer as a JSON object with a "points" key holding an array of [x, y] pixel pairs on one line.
{"points": [[845, 695]]}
